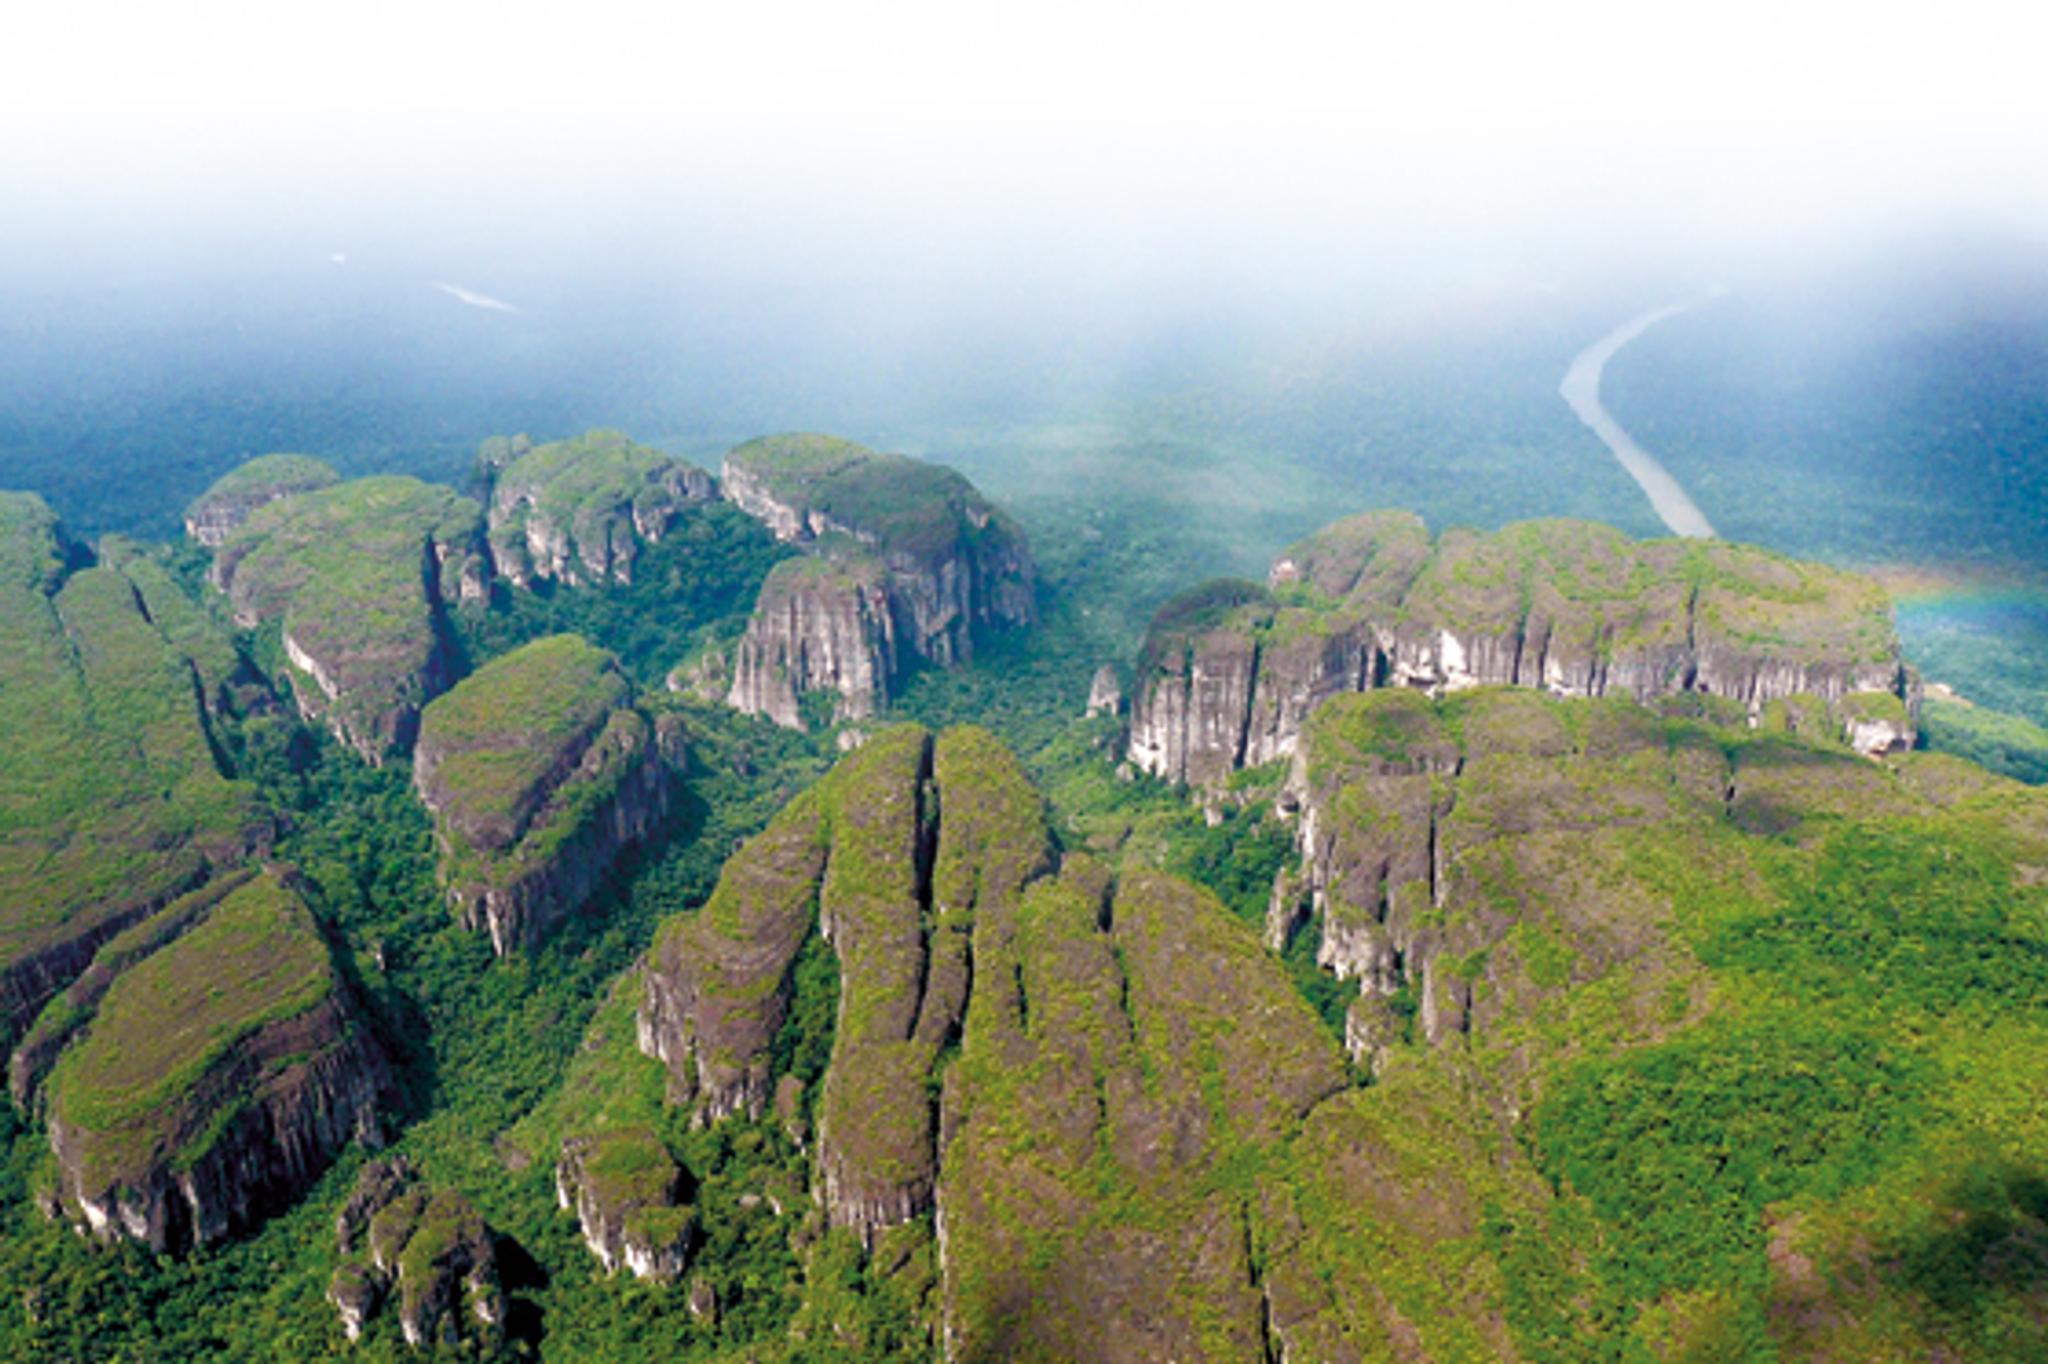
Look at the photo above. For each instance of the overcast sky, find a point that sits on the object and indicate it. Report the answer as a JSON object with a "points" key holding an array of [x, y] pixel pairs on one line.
{"points": [[785, 122]]}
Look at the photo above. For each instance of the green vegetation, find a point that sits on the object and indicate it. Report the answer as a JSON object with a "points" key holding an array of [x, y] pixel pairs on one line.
{"points": [[690, 591], [170, 1020], [583, 505], [2006, 744], [905, 505]]}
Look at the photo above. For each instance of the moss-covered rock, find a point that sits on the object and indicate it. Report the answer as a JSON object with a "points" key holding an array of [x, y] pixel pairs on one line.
{"points": [[911, 563], [431, 1248], [579, 511], [1228, 677], [220, 511], [539, 771], [113, 799], [631, 1199], [357, 575], [216, 1076]]}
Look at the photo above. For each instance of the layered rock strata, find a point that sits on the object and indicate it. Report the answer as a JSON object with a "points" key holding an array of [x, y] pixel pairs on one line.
{"points": [[1230, 671], [216, 1077], [631, 1199], [907, 563], [358, 575], [540, 772], [580, 511]]}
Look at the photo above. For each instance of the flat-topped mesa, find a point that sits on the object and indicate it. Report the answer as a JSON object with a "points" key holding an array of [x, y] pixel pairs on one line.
{"points": [[539, 771], [911, 563], [579, 511], [216, 1077], [632, 1200], [1230, 671], [359, 574], [115, 800], [892, 857], [221, 510]]}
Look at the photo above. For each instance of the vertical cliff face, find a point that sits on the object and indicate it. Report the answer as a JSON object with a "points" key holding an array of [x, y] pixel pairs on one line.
{"points": [[579, 511], [539, 772], [890, 858], [907, 563], [631, 1200], [222, 509], [218, 1073], [823, 623], [358, 575], [1229, 674]]}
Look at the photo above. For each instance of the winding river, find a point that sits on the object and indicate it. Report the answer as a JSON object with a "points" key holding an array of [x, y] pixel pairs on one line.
{"points": [[1581, 388]]}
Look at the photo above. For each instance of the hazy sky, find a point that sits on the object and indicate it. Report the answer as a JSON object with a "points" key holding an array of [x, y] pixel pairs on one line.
{"points": [[1111, 130]]}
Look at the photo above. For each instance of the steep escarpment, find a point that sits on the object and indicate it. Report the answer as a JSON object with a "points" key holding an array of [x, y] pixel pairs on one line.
{"points": [[428, 1248], [539, 771], [221, 510], [1230, 672], [910, 563], [889, 859], [580, 511], [114, 800], [357, 575], [216, 1076], [1464, 858]]}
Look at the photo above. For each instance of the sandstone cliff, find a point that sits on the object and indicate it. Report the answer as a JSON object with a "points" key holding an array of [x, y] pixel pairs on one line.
{"points": [[1230, 672], [221, 510], [358, 575], [631, 1200], [539, 772], [429, 1245], [579, 511], [888, 858], [911, 563], [215, 1077]]}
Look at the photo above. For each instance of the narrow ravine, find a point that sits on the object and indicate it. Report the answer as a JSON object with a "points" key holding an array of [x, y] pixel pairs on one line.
{"points": [[1581, 388]]}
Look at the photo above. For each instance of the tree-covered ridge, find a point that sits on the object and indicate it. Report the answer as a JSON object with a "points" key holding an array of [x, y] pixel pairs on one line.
{"points": [[113, 799], [581, 510], [357, 575], [808, 486]]}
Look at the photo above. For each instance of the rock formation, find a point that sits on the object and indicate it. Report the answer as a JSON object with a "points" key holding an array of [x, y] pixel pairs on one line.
{"points": [[908, 563], [358, 574], [215, 1076], [1106, 692], [631, 1199], [539, 772], [1230, 671], [579, 511], [429, 1245], [115, 799], [221, 510], [889, 858]]}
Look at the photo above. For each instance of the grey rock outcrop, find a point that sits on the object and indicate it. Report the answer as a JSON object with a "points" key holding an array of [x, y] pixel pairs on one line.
{"points": [[631, 1200], [1231, 672], [429, 1248], [580, 511], [906, 563]]}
